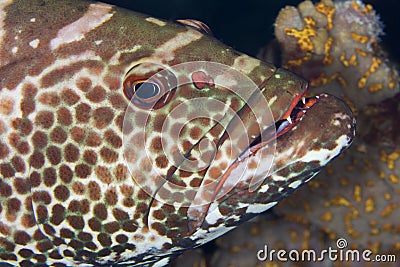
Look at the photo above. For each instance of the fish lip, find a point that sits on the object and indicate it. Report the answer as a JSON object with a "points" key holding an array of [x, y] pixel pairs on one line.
{"points": [[269, 135], [294, 103]]}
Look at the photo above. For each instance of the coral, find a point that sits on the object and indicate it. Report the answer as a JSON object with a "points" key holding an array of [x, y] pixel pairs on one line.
{"points": [[335, 45]]}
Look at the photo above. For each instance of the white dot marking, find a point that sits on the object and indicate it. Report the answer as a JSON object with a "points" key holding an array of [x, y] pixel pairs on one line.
{"points": [[96, 15], [34, 43]]}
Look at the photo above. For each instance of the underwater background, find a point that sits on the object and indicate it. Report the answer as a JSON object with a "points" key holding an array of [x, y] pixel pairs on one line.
{"points": [[248, 25]]}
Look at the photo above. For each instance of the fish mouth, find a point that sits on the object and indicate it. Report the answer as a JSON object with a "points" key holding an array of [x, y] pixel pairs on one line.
{"points": [[296, 112], [289, 120], [336, 121], [303, 147]]}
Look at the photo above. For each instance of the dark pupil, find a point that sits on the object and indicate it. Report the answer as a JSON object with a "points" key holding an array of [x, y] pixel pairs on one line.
{"points": [[146, 90]]}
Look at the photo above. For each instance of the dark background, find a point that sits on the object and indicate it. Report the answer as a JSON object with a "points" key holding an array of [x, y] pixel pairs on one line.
{"points": [[248, 25]]}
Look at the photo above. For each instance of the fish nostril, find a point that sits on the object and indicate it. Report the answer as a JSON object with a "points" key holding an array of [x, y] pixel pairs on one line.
{"points": [[201, 80]]}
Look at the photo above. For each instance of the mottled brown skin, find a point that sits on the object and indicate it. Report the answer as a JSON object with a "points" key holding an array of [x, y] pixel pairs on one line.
{"points": [[67, 196]]}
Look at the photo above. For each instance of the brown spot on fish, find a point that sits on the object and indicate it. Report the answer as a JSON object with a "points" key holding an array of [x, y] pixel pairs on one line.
{"points": [[41, 214], [64, 116], [120, 172], [6, 106], [21, 237], [103, 174], [13, 205], [45, 119], [113, 139], [23, 126], [94, 224], [35, 179], [97, 94], [36, 160], [160, 228], [94, 191], [102, 117], [111, 227], [18, 164], [111, 196], [78, 188], [49, 177], [158, 122], [6, 170], [118, 102], [65, 174], [27, 106], [21, 185], [100, 211], [162, 161], [108, 155], [83, 113], [122, 239], [128, 202], [4, 151], [82, 170], [104, 239], [90, 157], [69, 97], [113, 83], [77, 134], [61, 193], [76, 222], [58, 213], [50, 99], [28, 221], [71, 153], [39, 139], [58, 135], [54, 155], [93, 139], [120, 215]]}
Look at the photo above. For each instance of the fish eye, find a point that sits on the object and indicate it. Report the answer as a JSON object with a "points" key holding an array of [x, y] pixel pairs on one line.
{"points": [[146, 90], [149, 86]]}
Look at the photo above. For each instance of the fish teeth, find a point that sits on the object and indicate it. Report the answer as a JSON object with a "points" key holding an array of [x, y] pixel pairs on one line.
{"points": [[303, 99], [282, 126], [289, 120]]}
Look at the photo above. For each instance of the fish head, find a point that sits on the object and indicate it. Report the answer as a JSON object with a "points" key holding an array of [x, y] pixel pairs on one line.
{"points": [[221, 146]]}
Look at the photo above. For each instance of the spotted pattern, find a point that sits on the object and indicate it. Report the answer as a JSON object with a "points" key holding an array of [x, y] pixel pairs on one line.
{"points": [[68, 192]]}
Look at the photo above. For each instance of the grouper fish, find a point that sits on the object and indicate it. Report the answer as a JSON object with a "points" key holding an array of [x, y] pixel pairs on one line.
{"points": [[126, 139]]}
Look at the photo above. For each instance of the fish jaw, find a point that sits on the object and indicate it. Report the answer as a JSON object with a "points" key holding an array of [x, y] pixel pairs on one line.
{"points": [[327, 128]]}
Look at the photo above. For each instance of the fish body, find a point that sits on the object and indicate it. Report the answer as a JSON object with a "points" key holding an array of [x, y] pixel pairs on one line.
{"points": [[125, 139]]}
